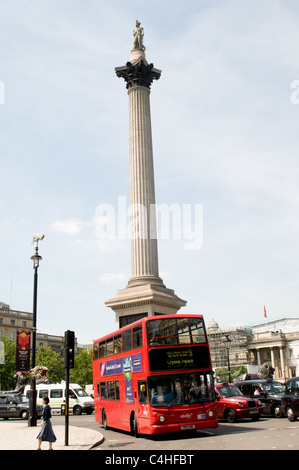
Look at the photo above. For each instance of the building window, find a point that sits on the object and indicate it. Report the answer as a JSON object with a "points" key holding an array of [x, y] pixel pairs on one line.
{"points": [[12, 322], [12, 336], [24, 324]]}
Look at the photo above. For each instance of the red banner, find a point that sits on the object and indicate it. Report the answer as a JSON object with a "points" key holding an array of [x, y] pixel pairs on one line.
{"points": [[23, 350]]}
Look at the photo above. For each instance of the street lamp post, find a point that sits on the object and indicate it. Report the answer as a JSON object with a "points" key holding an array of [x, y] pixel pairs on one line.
{"points": [[227, 341], [36, 258]]}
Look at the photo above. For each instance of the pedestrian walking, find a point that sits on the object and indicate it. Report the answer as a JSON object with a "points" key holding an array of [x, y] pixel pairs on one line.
{"points": [[46, 433]]}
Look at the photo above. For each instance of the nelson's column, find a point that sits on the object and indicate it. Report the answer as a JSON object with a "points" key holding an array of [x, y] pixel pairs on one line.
{"points": [[145, 294]]}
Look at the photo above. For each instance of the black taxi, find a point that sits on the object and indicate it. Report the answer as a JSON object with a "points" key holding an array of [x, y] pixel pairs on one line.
{"points": [[290, 401], [16, 406], [269, 392]]}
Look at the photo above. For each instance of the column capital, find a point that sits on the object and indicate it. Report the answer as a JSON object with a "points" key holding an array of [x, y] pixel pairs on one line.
{"points": [[140, 74]]}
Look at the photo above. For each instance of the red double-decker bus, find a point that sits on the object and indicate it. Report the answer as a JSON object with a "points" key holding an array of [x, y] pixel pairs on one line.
{"points": [[155, 376]]}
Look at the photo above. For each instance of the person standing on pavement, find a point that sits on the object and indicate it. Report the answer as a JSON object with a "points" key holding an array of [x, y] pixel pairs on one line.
{"points": [[46, 433]]}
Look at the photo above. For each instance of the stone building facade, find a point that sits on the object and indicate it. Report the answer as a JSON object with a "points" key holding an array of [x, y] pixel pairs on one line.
{"points": [[274, 342], [12, 320]]}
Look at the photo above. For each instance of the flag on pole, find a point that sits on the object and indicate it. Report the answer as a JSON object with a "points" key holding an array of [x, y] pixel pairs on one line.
{"points": [[265, 313]]}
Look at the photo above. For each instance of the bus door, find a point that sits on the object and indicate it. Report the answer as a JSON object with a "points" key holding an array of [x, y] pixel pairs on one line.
{"points": [[143, 409]]}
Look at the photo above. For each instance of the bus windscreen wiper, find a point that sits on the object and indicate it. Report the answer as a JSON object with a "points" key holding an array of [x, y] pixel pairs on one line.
{"points": [[179, 395]]}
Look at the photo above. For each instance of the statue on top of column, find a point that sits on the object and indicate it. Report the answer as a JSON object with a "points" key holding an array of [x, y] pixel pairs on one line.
{"points": [[138, 34]]}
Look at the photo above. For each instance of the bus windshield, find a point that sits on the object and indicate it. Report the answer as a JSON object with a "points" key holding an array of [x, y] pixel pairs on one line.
{"points": [[186, 330], [176, 389]]}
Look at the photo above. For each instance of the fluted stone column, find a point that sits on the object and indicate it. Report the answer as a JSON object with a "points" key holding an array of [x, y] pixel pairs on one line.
{"points": [[144, 250], [145, 294]]}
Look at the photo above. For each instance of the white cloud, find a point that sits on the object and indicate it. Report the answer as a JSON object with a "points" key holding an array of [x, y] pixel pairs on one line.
{"points": [[70, 227]]}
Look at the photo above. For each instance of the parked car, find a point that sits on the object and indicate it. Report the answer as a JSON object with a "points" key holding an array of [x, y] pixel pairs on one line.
{"points": [[290, 401], [269, 392], [233, 405], [16, 406]]}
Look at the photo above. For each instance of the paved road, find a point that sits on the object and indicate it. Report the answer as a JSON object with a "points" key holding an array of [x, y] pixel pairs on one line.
{"points": [[266, 434]]}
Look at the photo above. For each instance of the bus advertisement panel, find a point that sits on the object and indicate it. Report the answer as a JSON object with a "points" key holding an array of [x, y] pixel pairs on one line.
{"points": [[155, 376]]}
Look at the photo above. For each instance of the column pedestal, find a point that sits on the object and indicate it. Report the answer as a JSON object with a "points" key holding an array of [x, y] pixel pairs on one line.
{"points": [[143, 301]]}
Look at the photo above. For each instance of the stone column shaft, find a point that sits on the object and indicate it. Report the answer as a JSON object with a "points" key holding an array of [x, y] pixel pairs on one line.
{"points": [[144, 252], [282, 361]]}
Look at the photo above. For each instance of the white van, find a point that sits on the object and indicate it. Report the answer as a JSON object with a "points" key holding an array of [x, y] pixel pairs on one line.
{"points": [[79, 401]]}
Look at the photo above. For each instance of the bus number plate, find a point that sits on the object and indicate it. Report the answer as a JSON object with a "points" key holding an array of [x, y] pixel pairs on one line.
{"points": [[188, 426]]}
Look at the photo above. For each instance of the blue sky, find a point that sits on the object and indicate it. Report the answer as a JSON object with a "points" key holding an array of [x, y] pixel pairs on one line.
{"points": [[225, 135]]}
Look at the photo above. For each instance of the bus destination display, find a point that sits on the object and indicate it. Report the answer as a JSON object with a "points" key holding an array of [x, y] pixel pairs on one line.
{"points": [[179, 358]]}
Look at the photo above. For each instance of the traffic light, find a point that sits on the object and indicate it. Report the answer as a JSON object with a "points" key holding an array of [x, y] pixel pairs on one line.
{"points": [[69, 349]]}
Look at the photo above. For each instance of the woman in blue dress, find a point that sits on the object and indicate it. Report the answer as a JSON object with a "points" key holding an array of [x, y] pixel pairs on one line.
{"points": [[46, 433]]}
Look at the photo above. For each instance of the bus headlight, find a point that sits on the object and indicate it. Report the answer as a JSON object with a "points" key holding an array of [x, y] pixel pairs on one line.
{"points": [[161, 418], [210, 413]]}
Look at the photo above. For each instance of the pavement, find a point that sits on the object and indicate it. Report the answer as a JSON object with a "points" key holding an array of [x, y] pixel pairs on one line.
{"points": [[17, 435]]}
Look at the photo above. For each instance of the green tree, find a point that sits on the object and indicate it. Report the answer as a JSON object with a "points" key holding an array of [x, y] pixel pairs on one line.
{"points": [[8, 369], [51, 360], [235, 372], [82, 372]]}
